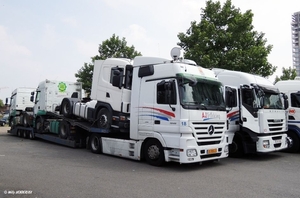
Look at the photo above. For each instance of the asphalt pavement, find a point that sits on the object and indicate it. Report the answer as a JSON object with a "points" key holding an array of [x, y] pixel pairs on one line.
{"points": [[36, 168]]}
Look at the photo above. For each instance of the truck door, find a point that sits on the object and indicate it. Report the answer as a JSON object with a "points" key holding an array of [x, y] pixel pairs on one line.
{"points": [[166, 111], [232, 107], [248, 107]]}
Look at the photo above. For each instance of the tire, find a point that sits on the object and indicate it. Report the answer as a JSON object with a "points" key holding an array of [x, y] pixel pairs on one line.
{"points": [[19, 133], [31, 135], [95, 143], [64, 130], [104, 119], [236, 148], [66, 108], [39, 125], [296, 142], [25, 134], [154, 153], [2, 124], [25, 123]]}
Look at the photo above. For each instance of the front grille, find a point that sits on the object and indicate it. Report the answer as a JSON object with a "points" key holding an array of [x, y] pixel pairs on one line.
{"points": [[202, 132], [210, 156], [276, 125]]}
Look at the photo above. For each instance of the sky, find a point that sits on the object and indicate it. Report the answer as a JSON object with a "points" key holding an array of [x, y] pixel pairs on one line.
{"points": [[52, 40]]}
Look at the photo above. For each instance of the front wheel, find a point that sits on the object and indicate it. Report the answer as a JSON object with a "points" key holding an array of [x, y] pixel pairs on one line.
{"points": [[296, 142], [154, 153], [64, 130], [95, 143], [236, 148], [39, 125]]}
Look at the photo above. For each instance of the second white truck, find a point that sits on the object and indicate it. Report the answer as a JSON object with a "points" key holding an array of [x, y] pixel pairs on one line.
{"points": [[292, 89], [257, 113]]}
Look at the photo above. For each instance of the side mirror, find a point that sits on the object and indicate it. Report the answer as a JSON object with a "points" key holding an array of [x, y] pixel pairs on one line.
{"points": [[6, 101], [117, 81], [31, 98], [285, 101]]}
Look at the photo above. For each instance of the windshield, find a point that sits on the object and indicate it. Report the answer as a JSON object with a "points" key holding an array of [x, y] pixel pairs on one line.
{"points": [[272, 101], [199, 93], [267, 100]]}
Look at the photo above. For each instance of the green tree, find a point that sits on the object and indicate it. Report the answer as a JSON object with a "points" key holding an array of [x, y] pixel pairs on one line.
{"points": [[224, 38], [110, 48], [1, 103], [287, 74]]}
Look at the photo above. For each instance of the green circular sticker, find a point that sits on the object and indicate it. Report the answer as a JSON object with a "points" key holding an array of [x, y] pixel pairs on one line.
{"points": [[62, 87]]}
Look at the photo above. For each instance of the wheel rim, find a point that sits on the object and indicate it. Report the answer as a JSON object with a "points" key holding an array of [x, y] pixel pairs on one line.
{"points": [[103, 120], [153, 152]]}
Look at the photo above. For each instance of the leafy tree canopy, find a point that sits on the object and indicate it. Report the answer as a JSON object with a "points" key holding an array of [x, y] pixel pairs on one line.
{"points": [[287, 74], [224, 38], [110, 48], [1, 103]]}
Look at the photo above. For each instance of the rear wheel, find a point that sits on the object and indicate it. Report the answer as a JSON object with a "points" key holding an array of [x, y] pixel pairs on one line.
{"points": [[25, 123], [104, 119], [95, 143], [154, 153], [295, 145], [66, 108]]}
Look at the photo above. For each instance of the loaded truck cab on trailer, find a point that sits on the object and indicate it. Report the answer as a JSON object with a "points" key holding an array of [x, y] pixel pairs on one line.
{"points": [[257, 114]]}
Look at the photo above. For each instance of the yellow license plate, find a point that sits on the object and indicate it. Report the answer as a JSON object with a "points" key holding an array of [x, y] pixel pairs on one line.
{"points": [[211, 151]]}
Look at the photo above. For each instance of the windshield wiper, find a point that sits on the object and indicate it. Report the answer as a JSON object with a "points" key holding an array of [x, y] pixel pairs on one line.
{"points": [[199, 106]]}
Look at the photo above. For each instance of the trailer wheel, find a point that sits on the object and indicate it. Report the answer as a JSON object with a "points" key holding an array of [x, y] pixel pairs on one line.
{"points": [[236, 148], [64, 129], [39, 125], [95, 143], [31, 135], [66, 108], [154, 153], [25, 134], [19, 133], [104, 118], [296, 142]]}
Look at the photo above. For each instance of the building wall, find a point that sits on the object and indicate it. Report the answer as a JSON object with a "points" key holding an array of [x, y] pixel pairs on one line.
{"points": [[296, 41]]}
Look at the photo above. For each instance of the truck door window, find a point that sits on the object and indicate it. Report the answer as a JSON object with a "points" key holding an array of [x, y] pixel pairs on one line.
{"points": [[247, 97], [231, 97], [295, 100], [112, 73], [165, 96]]}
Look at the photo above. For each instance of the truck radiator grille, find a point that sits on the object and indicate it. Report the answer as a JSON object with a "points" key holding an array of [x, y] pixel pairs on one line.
{"points": [[276, 125], [208, 133]]}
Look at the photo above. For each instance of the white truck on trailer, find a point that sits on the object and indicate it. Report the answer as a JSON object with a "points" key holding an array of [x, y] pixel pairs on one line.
{"points": [[19, 106], [292, 89], [42, 107], [154, 109], [257, 114]]}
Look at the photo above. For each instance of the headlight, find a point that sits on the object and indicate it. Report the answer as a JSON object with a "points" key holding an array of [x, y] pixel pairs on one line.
{"points": [[191, 152], [226, 149], [266, 144]]}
